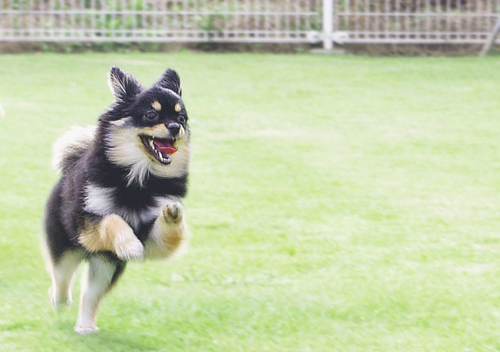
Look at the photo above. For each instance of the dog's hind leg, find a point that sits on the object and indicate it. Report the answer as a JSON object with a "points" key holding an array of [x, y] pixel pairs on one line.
{"points": [[62, 272], [101, 276]]}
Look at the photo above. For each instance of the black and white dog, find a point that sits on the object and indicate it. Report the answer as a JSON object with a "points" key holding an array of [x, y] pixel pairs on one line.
{"points": [[119, 195]]}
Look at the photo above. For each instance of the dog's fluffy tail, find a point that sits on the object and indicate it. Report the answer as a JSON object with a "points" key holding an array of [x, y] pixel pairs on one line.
{"points": [[71, 146]]}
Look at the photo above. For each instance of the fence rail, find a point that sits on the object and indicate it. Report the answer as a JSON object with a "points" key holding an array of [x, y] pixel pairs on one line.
{"points": [[159, 20], [262, 21], [415, 21]]}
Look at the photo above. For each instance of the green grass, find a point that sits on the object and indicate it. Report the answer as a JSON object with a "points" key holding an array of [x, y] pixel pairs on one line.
{"points": [[336, 204]]}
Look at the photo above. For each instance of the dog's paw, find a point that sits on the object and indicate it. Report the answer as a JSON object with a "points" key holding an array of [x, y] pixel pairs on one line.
{"points": [[59, 302], [85, 330], [173, 212], [129, 249]]}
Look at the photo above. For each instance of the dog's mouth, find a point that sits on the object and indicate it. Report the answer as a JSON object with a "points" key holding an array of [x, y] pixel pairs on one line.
{"points": [[161, 148]]}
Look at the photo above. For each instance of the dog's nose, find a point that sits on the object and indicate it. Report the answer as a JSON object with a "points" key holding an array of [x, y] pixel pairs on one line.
{"points": [[174, 128]]}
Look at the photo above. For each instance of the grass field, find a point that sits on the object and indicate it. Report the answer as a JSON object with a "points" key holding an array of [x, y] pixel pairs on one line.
{"points": [[336, 204]]}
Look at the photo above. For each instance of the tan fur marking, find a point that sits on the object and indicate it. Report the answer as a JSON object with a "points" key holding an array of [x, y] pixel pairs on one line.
{"points": [[156, 105], [159, 131], [110, 233], [91, 239], [169, 233], [172, 237], [178, 107], [112, 228]]}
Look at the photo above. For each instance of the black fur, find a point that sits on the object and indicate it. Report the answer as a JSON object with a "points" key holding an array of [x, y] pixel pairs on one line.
{"points": [[132, 168], [65, 209]]}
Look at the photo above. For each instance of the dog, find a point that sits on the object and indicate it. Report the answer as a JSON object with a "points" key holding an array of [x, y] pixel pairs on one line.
{"points": [[118, 198]]}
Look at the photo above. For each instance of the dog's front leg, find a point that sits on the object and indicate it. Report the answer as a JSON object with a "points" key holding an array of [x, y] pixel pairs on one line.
{"points": [[112, 233], [169, 232]]}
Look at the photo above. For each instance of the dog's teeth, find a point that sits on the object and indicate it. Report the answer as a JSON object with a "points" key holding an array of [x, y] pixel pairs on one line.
{"points": [[157, 152], [152, 144]]}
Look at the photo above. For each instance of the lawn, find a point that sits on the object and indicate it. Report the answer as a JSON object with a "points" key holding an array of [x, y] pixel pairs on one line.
{"points": [[335, 204]]}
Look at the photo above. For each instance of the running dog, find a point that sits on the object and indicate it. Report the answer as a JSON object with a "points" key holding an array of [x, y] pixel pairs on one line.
{"points": [[118, 198]]}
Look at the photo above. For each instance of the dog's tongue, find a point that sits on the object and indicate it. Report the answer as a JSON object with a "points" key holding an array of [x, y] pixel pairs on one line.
{"points": [[164, 147]]}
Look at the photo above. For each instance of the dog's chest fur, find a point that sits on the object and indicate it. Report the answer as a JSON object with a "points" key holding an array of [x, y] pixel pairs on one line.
{"points": [[137, 207]]}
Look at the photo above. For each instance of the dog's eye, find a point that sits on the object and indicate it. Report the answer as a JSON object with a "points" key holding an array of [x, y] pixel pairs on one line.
{"points": [[182, 119], [150, 115]]}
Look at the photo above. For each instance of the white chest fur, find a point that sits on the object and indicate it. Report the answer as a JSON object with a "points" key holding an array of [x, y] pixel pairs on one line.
{"points": [[101, 201]]}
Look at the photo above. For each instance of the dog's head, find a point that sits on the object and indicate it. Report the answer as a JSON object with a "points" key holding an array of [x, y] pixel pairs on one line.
{"points": [[146, 129]]}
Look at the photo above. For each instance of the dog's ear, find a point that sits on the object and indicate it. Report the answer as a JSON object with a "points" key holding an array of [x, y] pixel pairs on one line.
{"points": [[170, 80], [123, 85]]}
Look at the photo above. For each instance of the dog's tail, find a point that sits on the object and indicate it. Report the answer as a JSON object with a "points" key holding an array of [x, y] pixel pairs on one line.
{"points": [[71, 146]]}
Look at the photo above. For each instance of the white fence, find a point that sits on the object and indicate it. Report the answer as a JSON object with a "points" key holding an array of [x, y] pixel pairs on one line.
{"points": [[160, 20], [263, 21], [414, 21]]}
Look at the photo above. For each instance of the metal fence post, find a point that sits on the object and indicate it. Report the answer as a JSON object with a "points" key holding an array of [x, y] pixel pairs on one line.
{"points": [[491, 39], [327, 24]]}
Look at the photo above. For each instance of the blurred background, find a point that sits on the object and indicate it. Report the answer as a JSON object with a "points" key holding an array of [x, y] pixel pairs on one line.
{"points": [[418, 27]]}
